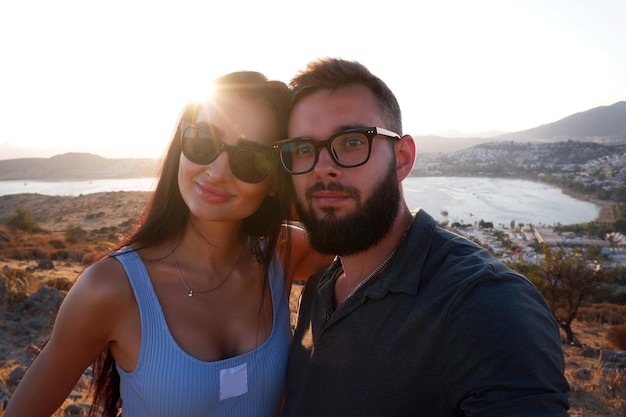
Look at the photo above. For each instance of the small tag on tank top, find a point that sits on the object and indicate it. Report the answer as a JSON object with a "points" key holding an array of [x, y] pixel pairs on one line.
{"points": [[233, 382]]}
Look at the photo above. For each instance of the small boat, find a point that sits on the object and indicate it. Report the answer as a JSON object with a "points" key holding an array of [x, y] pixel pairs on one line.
{"points": [[444, 212]]}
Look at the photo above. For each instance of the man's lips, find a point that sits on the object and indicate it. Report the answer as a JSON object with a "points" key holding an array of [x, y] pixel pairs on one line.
{"points": [[328, 198], [331, 194]]}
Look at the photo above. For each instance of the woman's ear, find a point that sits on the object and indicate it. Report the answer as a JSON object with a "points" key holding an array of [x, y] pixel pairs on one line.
{"points": [[405, 156], [273, 191]]}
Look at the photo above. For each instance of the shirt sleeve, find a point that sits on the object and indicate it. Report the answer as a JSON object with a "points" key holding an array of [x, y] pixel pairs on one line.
{"points": [[503, 353]]}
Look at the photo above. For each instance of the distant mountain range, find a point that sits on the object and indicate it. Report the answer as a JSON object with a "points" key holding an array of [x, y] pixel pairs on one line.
{"points": [[605, 124], [72, 166], [600, 124]]}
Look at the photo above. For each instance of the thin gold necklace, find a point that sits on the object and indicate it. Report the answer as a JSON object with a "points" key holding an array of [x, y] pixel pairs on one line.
{"points": [[191, 292]]}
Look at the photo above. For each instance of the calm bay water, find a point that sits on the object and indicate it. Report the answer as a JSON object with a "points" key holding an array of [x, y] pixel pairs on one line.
{"points": [[497, 200], [466, 199], [75, 188]]}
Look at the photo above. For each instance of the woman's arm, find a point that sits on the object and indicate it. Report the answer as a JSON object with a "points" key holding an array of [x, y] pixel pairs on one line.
{"points": [[299, 260], [84, 325]]}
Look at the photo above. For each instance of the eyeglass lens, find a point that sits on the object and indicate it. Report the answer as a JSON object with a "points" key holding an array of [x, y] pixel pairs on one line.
{"points": [[246, 163], [347, 150]]}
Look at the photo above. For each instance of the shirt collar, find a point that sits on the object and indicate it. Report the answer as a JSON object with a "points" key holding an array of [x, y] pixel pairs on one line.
{"points": [[403, 272]]}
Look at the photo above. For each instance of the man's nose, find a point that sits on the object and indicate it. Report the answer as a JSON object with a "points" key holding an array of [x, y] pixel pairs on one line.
{"points": [[325, 164]]}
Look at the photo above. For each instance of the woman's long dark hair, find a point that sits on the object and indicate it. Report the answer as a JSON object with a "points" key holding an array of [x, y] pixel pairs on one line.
{"points": [[166, 216]]}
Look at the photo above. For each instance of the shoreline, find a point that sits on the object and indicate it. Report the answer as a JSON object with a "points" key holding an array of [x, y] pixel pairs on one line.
{"points": [[605, 215]]}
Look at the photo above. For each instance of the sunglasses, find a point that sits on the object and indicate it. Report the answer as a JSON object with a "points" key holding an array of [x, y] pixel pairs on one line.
{"points": [[249, 163]]}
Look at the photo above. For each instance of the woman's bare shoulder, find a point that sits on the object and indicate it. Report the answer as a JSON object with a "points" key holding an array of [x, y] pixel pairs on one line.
{"points": [[100, 301], [104, 280]]}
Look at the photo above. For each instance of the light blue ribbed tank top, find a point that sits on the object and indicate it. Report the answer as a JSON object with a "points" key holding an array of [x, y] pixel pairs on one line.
{"points": [[169, 382]]}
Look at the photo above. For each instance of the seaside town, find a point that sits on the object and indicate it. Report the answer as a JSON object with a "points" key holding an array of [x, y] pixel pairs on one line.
{"points": [[520, 243], [590, 171]]}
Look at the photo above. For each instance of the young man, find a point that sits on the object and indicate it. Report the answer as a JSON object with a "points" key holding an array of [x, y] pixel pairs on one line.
{"points": [[409, 319]]}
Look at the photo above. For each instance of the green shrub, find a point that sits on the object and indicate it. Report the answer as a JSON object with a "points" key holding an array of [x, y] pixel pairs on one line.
{"points": [[75, 234], [93, 216], [68, 255], [89, 258], [22, 254], [617, 336], [15, 286], [24, 222], [607, 313], [61, 284], [57, 244], [128, 225]]}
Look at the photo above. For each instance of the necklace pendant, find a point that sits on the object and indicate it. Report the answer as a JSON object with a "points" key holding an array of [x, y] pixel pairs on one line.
{"points": [[190, 291]]}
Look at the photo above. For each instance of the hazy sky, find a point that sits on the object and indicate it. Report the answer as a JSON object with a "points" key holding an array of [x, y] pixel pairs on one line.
{"points": [[111, 77]]}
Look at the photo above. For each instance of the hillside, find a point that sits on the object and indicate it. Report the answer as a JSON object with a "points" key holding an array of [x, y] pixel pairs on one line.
{"points": [[71, 166], [602, 124], [90, 211], [37, 269], [606, 124]]}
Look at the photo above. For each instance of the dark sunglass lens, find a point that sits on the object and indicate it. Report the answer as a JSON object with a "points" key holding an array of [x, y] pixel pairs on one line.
{"points": [[251, 165], [199, 146]]}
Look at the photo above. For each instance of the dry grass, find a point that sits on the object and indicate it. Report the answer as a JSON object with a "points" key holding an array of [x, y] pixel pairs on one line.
{"points": [[597, 392], [91, 211], [600, 391], [601, 394]]}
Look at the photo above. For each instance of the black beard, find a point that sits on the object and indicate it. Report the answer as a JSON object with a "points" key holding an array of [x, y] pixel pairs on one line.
{"points": [[355, 232]]}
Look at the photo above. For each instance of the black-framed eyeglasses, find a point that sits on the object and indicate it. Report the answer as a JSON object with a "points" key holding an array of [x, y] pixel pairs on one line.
{"points": [[348, 149], [250, 163]]}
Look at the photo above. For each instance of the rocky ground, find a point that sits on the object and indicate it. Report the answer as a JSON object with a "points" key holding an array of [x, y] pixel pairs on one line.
{"points": [[90, 211], [594, 369]]}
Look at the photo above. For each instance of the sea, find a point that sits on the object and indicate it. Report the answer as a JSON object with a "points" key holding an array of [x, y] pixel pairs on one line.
{"points": [[466, 200]]}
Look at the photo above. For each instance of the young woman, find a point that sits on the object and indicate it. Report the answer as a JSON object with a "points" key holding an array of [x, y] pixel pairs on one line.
{"points": [[190, 315]]}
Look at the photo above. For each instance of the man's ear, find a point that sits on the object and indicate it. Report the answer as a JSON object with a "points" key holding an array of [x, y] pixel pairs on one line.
{"points": [[405, 156]]}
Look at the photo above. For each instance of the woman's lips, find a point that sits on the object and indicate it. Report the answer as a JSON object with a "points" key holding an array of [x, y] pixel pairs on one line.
{"points": [[213, 193]]}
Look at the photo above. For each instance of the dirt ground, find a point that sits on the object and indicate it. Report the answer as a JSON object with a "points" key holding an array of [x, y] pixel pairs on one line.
{"points": [[90, 211], [95, 211]]}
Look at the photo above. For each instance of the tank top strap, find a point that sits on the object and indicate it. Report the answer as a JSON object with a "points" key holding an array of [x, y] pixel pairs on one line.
{"points": [[152, 317], [276, 276]]}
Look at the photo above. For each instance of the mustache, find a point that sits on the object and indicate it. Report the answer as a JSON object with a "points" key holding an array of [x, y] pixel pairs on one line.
{"points": [[332, 186]]}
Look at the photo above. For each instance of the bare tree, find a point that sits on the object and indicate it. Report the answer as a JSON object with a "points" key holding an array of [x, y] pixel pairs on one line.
{"points": [[569, 280]]}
